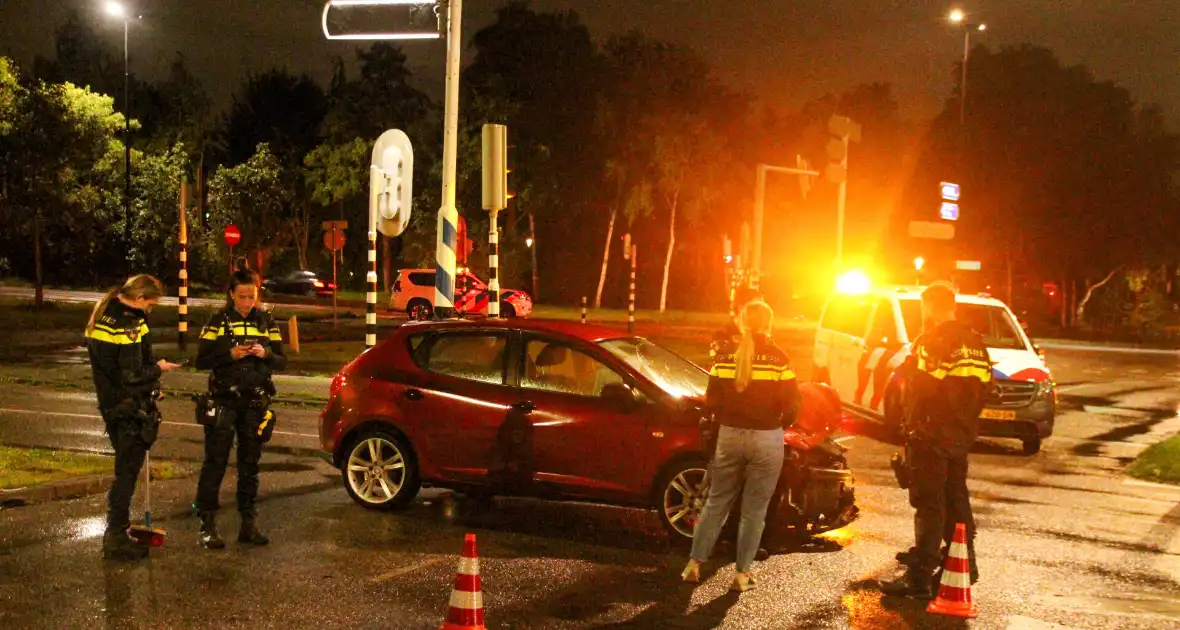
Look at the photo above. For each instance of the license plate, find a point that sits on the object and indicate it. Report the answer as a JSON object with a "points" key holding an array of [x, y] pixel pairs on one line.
{"points": [[998, 414]]}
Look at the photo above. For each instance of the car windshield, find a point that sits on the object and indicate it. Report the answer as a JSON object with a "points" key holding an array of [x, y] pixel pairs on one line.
{"points": [[993, 323], [672, 373]]}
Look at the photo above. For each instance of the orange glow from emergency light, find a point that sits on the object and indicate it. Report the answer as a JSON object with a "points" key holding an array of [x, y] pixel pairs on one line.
{"points": [[853, 283]]}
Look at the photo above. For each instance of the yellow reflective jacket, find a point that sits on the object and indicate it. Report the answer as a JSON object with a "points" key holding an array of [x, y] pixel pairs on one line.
{"points": [[769, 402], [946, 376]]}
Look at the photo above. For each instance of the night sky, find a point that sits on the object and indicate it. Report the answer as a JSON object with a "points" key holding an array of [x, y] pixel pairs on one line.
{"points": [[789, 50]]}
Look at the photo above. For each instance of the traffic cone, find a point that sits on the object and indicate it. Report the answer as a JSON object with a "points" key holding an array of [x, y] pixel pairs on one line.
{"points": [[954, 593], [466, 611]]}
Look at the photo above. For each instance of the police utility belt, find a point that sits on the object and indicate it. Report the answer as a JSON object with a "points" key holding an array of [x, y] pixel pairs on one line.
{"points": [[220, 410], [221, 414]]}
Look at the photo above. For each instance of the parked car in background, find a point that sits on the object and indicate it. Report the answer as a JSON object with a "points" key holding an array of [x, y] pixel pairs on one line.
{"points": [[863, 337], [413, 294], [299, 283]]}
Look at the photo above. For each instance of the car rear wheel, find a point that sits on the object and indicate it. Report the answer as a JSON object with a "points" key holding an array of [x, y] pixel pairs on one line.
{"points": [[681, 494], [507, 311], [419, 310], [380, 471]]}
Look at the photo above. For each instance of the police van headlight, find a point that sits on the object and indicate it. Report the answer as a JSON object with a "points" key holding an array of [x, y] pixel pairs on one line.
{"points": [[1046, 389]]}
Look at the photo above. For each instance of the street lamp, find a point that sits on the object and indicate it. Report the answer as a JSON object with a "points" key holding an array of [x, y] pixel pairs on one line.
{"points": [[118, 11], [957, 17]]}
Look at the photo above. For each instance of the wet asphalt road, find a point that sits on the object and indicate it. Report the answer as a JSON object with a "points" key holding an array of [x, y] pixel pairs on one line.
{"points": [[1064, 538]]}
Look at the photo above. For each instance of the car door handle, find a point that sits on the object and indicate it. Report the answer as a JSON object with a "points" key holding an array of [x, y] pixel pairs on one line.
{"points": [[524, 407], [412, 394]]}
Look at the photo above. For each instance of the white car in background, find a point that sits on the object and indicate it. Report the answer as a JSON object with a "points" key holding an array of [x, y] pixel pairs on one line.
{"points": [[864, 336], [413, 294]]}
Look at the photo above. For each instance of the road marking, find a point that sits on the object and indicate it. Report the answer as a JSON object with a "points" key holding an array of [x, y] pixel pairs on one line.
{"points": [[396, 573], [1020, 622], [90, 416]]}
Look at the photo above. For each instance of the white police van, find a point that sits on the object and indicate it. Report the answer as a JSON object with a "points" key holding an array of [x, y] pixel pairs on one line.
{"points": [[863, 337]]}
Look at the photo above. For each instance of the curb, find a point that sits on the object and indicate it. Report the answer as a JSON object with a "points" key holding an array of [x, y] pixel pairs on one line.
{"points": [[56, 491], [175, 393]]}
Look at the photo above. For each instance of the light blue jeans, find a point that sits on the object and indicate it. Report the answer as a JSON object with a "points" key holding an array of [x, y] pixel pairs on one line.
{"points": [[743, 455]]}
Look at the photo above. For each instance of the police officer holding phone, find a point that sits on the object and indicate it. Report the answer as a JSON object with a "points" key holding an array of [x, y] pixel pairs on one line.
{"points": [[242, 347]]}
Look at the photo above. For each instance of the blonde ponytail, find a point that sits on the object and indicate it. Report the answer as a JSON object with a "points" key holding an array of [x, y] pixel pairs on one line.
{"points": [[100, 308], [756, 318], [136, 287]]}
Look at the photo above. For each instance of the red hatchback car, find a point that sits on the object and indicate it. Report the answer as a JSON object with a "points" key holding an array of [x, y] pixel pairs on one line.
{"points": [[556, 410]]}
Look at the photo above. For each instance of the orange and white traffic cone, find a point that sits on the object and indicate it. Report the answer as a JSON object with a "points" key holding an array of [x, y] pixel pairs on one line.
{"points": [[466, 611], [954, 593]]}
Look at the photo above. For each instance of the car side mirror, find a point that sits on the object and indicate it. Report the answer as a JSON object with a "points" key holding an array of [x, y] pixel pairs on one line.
{"points": [[620, 395]]}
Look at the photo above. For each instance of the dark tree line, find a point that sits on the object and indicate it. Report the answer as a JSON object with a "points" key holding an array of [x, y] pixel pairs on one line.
{"points": [[1066, 178]]}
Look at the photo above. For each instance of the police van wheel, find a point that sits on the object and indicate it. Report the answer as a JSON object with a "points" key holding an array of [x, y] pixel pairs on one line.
{"points": [[380, 471], [1032, 446], [419, 310]]}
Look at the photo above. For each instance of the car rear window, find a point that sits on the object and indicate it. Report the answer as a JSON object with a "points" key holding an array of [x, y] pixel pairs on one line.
{"points": [[471, 356], [848, 314], [422, 278]]}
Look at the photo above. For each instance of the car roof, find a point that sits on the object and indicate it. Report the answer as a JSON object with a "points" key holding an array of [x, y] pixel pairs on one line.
{"points": [[915, 293], [585, 332]]}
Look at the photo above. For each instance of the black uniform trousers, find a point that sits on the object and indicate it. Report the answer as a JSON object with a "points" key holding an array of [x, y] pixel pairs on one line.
{"points": [[938, 494], [126, 434], [218, 441]]}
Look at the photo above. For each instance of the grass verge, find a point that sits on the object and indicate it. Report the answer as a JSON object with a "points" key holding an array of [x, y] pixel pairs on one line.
{"points": [[23, 467], [1159, 463]]}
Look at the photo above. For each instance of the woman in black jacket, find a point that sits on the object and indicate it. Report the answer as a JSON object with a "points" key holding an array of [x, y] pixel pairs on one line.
{"points": [[241, 347], [127, 380]]}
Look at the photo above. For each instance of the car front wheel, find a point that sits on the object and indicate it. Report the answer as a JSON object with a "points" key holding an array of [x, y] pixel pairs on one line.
{"points": [[681, 494], [380, 471]]}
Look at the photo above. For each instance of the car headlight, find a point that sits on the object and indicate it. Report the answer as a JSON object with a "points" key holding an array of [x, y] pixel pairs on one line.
{"points": [[1045, 389]]}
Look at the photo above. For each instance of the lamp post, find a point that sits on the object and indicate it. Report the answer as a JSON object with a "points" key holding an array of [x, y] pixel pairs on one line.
{"points": [[118, 11], [958, 17]]}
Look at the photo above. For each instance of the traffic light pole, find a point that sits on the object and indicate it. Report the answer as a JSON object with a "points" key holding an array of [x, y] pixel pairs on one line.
{"points": [[448, 214]]}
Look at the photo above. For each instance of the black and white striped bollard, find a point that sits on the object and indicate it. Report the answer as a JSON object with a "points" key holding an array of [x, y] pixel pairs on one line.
{"points": [[631, 295], [583, 309], [371, 294]]}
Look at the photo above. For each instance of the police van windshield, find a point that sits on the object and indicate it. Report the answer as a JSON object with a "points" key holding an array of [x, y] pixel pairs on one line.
{"points": [[993, 323]]}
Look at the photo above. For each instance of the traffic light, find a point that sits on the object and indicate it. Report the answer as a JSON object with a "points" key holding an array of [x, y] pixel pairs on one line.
{"points": [[844, 131], [804, 179], [495, 167]]}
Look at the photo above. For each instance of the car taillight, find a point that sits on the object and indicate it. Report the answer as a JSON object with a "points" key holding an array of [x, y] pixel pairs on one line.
{"points": [[318, 283], [331, 285], [336, 386], [397, 286]]}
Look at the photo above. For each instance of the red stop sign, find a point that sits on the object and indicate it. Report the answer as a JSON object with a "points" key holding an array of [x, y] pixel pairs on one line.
{"points": [[233, 235], [334, 243]]}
